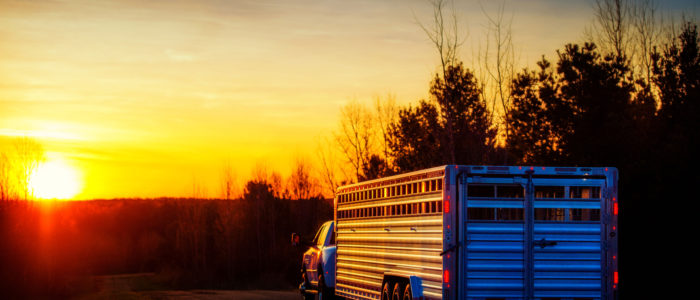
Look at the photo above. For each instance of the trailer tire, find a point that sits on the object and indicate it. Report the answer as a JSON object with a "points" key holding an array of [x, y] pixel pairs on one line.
{"points": [[396, 294], [386, 291], [407, 293]]}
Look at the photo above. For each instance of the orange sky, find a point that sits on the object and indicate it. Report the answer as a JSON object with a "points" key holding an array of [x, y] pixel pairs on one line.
{"points": [[145, 98]]}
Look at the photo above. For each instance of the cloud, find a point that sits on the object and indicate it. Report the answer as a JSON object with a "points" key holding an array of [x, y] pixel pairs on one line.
{"points": [[179, 56]]}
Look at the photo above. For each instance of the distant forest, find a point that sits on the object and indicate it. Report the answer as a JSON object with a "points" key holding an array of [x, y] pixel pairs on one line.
{"points": [[50, 249], [627, 98]]}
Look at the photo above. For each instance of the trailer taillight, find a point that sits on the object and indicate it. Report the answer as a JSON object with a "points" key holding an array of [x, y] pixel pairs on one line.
{"points": [[616, 278], [446, 206], [615, 209], [446, 276]]}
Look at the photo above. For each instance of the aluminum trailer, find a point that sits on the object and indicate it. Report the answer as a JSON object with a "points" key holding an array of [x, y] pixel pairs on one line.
{"points": [[481, 233]]}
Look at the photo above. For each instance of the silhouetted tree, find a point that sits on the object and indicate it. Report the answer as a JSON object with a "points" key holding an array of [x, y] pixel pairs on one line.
{"points": [[375, 168], [613, 27], [301, 183], [357, 137], [677, 76], [331, 171], [259, 197], [5, 177], [228, 181], [29, 154], [497, 70], [533, 139], [416, 143], [454, 129], [468, 131], [386, 114], [585, 105]]}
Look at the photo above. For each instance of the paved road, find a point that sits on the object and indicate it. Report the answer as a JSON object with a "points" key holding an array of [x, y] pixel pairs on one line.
{"points": [[220, 295], [119, 287]]}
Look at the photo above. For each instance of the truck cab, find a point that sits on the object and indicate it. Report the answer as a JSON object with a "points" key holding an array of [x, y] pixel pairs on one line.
{"points": [[318, 265]]}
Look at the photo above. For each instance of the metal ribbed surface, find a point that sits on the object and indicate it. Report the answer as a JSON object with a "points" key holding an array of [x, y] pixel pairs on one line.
{"points": [[495, 259], [572, 267], [554, 252], [368, 248]]}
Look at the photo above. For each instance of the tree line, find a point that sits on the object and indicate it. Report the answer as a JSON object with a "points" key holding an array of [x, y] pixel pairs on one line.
{"points": [[54, 249], [626, 97]]}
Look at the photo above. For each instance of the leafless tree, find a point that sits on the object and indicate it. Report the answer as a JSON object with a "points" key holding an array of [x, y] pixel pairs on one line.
{"points": [[301, 184], [612, 28], [445, 36], [279, 189], [356, 137], [190, 241], [648, 31], [386, 114], [29, 155], [260, 172], [444, 33], [332, 173], [228, 182], [6, 189], [199, 191], [497, 64]]}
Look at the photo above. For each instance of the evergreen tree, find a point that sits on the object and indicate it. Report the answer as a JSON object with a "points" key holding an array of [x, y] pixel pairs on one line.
{"points": [[454, 128]]}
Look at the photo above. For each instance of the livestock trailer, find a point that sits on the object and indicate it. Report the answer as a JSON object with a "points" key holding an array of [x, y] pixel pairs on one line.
{"points": [[481, 233]]}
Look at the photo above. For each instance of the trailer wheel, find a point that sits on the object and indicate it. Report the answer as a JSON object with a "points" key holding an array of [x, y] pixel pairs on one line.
{"points": [[407, 293], [386, 291], [396, 294]]}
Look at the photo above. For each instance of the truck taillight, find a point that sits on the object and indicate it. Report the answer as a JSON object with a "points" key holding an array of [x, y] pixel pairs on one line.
{"points": [[446, 276], [446, 205], [616, 278], [615, 209]]}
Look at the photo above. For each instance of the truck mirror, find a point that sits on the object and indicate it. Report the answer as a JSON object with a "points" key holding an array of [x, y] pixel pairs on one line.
{"points": [[296, 239]]}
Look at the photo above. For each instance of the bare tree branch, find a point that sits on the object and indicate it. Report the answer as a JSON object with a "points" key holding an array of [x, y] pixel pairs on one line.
{"points": [[498, 67], [356, 138], [387, 114]]}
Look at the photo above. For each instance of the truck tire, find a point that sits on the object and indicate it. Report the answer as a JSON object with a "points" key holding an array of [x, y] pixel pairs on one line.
{"points": [[407, 293], [305, 282]]}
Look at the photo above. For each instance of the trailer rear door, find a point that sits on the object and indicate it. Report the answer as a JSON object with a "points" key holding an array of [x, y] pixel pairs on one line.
{"points": [[535, 237]]}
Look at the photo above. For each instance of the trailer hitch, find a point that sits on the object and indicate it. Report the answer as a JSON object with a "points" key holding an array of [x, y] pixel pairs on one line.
{"points": [[544, 243]]}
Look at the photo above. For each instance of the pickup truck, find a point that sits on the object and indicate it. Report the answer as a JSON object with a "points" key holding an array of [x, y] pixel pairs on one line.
{"points": [[471, 232], [318, 265]]}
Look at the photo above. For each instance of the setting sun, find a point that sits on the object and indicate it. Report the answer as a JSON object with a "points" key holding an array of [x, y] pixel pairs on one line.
{"points": [[55, 179]]}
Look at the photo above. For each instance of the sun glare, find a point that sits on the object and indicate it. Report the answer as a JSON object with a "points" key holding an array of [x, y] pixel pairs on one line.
{"points": [[55, 179]]}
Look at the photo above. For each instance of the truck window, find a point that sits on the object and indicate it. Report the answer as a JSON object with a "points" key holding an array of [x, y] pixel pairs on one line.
{"points": [[318, 237]]}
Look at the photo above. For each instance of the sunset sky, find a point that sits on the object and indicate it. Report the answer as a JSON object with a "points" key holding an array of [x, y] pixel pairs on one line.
{"points": [[145, 98]]}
